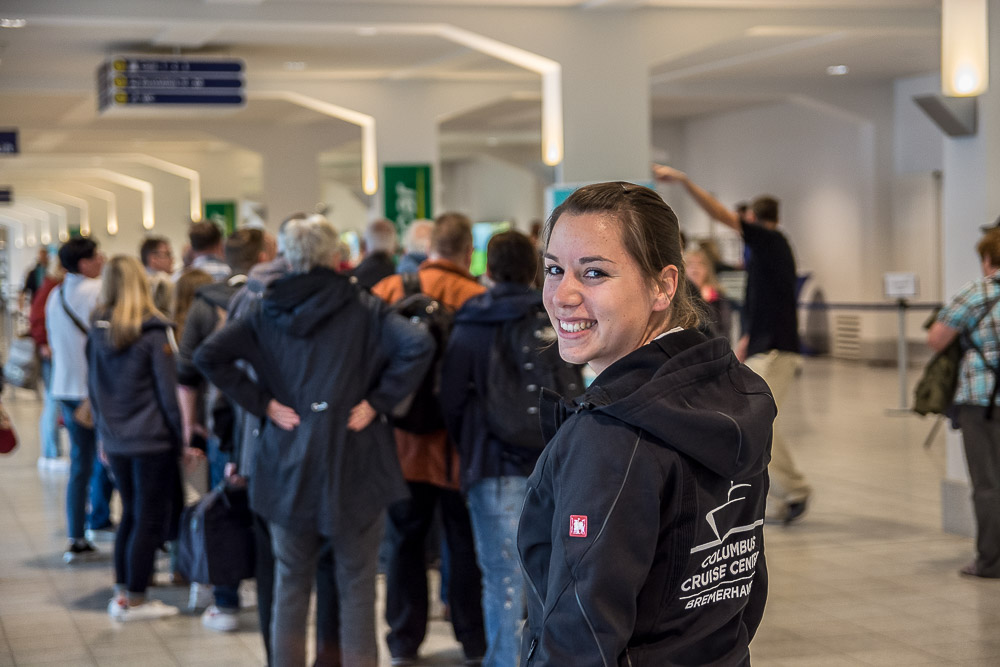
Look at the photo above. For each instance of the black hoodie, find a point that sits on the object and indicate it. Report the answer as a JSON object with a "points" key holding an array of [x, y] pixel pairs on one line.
{"points": [[641, 535], [320, 346]]}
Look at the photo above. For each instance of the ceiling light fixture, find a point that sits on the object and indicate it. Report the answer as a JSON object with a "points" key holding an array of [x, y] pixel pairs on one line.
{"points": [[367, 31], [295, 65], [13, 23], [964, 48], [837, 70]]}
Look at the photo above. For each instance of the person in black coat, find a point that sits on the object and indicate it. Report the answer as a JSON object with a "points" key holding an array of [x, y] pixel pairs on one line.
{"points": [[641, 535], [132, 385], [331, 362]]}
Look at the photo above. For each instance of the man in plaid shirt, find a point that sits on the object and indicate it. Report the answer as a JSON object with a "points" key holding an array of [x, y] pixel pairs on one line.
{"points": [[981, 436]]}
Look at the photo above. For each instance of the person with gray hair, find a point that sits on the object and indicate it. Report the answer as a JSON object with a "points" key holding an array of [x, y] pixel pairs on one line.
{"points": [[416, 245], [380, 248], [324, 467]]}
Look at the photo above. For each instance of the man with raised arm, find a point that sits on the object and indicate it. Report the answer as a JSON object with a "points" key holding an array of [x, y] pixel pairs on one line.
{"points": [[770, 341]]}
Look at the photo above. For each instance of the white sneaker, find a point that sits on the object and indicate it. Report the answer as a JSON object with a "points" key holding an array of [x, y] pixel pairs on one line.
{"points": [[117, 606], [148, 610], [220, 620], [200, 596]]}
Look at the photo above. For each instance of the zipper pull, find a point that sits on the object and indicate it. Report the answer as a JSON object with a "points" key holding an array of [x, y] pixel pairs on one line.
{"points": [[531, 648]]}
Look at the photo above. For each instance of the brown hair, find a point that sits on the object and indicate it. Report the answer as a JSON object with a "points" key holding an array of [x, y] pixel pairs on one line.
{"points": [[765, 208], [989, 247], [452, 235], [511, 258], [184, 292], [649, 231]]}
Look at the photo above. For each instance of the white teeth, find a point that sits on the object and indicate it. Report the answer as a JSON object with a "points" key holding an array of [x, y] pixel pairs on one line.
{"points": [[575, 326]]}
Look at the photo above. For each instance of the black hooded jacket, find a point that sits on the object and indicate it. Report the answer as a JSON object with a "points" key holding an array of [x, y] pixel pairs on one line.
{"points": [[641, 535], [320, 346]]}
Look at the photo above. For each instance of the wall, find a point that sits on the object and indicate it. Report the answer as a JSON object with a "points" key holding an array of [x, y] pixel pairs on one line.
{"points": [[487, 189]]}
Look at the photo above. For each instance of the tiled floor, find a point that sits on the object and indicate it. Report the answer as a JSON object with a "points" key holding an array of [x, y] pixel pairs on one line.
{"points": [[867, 578]]}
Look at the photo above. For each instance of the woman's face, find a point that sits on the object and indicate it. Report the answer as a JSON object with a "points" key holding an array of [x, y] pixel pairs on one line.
{"points": [[600, 305]]}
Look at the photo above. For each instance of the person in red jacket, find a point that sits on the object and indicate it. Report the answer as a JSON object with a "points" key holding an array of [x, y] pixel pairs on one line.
{"points": [[48, 424]]}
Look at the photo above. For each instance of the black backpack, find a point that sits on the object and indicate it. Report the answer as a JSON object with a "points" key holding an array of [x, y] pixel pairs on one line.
{"points": [[525, 359], [422, 413]]}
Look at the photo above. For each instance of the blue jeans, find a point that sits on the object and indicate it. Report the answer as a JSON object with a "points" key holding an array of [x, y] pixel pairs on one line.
{"points": [[48, 424], [84, 469], [495, 508]]}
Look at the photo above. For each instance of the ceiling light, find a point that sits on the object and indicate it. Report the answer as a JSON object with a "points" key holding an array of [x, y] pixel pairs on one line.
{"points": [[965, 69], [837, 70], [13, 23], [367, 31], [295, 65]]}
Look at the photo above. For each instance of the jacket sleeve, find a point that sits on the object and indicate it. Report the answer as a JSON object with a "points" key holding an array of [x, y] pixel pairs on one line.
{"points": [[164, 370], [216, 358], [408, 351], [607, 485], [200, 324], [456, 377], [36, 318]]}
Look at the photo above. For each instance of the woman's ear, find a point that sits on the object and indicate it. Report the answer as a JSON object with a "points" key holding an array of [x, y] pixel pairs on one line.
{"points": [[666, 287]]}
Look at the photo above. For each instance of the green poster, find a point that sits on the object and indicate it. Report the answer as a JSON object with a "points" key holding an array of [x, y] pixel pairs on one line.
{"points": [[407, 193], [222, 213]]}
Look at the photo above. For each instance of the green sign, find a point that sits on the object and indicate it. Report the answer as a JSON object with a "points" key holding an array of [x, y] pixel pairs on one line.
{"points": [[222, 213], [407, 193]]}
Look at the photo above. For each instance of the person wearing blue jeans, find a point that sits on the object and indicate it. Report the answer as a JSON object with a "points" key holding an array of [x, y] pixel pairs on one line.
{"points": [[48, 423], [86, 471], [494, 508]]}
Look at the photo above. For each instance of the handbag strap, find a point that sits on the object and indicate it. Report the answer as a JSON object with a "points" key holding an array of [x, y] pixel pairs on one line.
{"points": [[72, 316], [966, 337]]}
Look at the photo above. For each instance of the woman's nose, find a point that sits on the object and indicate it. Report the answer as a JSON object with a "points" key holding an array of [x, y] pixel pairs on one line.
{"points": [[567, 292]]}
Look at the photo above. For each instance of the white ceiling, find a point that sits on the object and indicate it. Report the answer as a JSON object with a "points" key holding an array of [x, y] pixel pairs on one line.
{"points": [[47, 69]]}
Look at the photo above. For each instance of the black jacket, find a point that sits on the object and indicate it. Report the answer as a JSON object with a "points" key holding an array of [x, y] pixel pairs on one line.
{"points": [[133, 391], [373, 268], [209, 306], [464, 379], [642, 534], [320, 346]]}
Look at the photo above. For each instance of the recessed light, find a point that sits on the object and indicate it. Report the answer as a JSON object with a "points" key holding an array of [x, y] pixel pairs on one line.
{"points": [[13, 23], [295, 65], [837, 70], [367, 31]]}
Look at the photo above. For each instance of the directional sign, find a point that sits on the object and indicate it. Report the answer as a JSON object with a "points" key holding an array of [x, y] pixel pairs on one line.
{"points": [[131, 82], [8, 142]]}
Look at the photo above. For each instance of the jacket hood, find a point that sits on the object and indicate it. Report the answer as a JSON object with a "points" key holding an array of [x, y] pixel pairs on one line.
{"points": [[298, 303], [505, 301], [692, 395], [219, 294]]}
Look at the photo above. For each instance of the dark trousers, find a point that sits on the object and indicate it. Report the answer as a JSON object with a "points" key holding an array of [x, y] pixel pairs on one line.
{"points": [[327, 609], [981, 438], [146, 484], [406, 584]]}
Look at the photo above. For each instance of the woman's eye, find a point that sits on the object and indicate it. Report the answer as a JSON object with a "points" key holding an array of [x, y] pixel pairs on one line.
{"points": [[594, 273], [552, 270]]}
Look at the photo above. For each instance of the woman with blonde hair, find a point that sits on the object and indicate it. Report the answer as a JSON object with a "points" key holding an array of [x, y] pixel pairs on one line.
{"points": [[132, 386], [184, 291], [700, 270]]}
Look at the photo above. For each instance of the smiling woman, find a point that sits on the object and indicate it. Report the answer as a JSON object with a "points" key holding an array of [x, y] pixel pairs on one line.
{"points": [[641, 535]]}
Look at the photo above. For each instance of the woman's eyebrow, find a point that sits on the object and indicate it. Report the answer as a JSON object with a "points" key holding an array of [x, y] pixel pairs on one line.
{"points": [[594, 258]]}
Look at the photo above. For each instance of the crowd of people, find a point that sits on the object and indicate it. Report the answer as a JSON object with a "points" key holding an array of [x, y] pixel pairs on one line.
{"points": [[375, 408]]}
